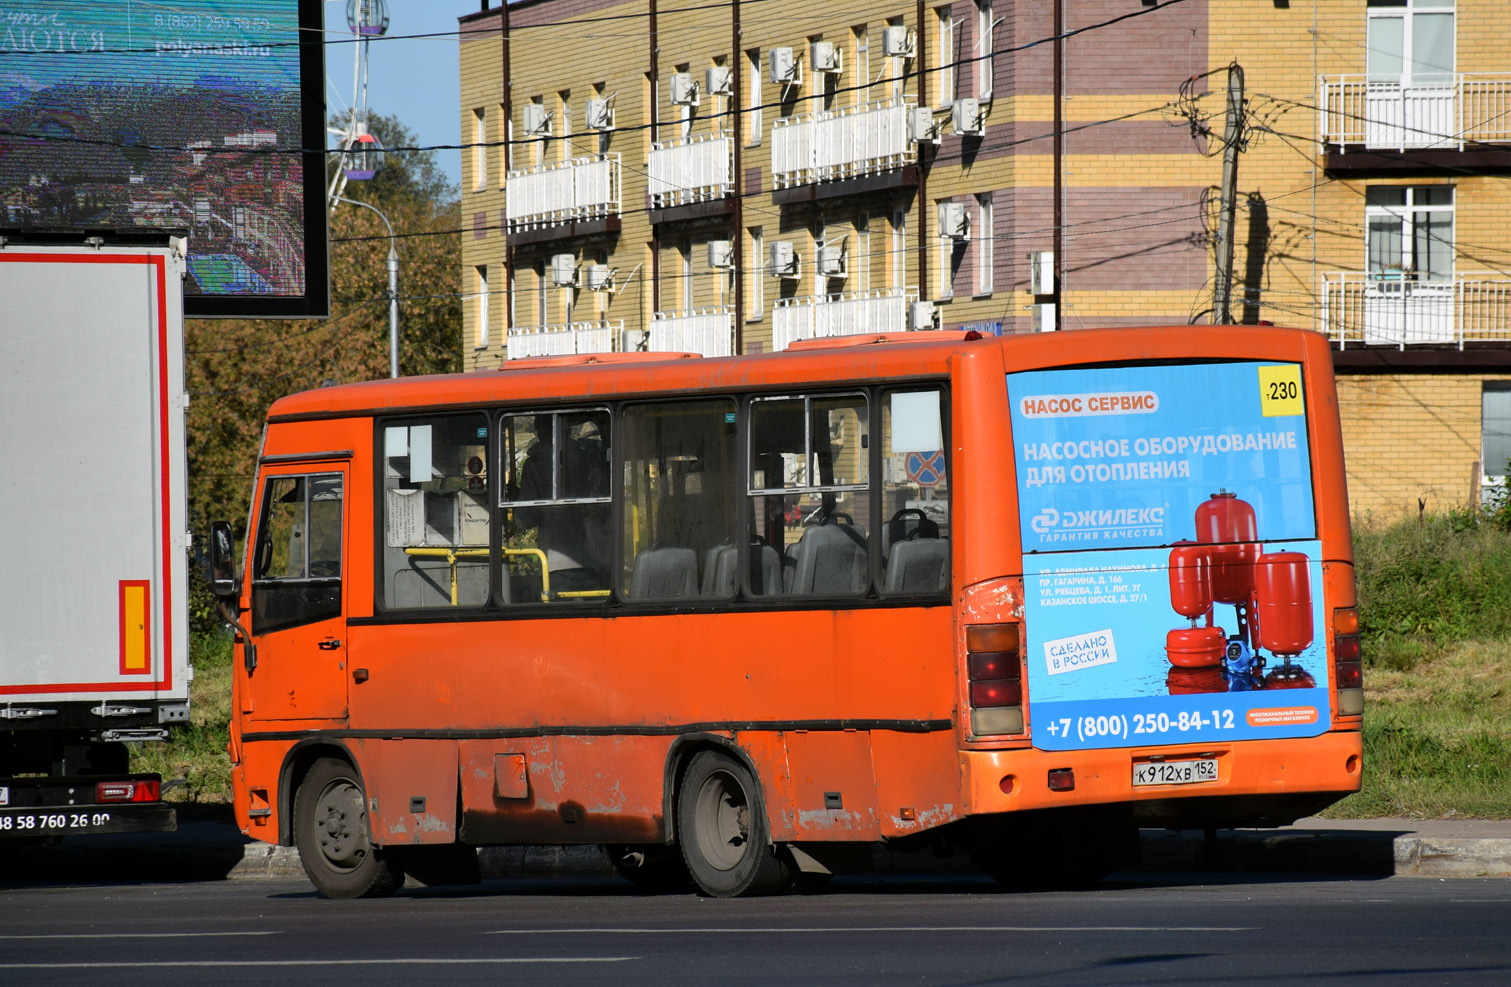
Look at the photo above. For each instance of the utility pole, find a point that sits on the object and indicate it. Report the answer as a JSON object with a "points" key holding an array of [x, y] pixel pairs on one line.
{"points": [[1058, 221], [1222, 289]]}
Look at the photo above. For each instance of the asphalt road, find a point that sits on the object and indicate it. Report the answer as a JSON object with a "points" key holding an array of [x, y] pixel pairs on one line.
{"points": [[916, 930]]}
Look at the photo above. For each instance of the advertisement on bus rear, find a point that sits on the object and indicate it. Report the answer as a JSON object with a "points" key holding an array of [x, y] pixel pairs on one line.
{"points": [[1172, 573]]}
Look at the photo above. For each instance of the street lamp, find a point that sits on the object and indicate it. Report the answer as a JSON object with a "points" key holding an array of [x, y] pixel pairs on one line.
{"points": [[393, 286]]}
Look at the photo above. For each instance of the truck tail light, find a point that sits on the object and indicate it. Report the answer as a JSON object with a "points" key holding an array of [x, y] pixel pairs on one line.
{"points": [[1348, 664], [994, 671], [127, 791]]}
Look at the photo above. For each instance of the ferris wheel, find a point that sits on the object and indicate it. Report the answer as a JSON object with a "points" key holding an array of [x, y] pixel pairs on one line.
{"points": [[360, 149]]}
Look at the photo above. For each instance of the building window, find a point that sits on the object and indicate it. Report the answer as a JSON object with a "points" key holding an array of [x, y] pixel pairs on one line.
{"points": [[984, 238], [481, 310], [898, 67], [565, 96], [505, 150], [541, 296], [1410, 40], [1495, 437], [479, 150], [897, 255], [685, 249], [1410, 234], [983, 49], [945, 35], [862, 66], [756, 264], [862, 278], [753, 97]]}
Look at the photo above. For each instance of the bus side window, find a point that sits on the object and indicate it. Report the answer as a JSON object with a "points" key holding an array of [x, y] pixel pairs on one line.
{"points": [[809, 488], [679, 505], [915, 537], [435, 512], [297, 577], [557, 545]]}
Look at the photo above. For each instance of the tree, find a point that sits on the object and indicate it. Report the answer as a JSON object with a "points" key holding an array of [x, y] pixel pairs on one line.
{"points": [[237, 368]]}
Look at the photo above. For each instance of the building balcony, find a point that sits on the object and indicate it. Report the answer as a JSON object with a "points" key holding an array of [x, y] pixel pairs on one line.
{"points": [[834, 145], [849, 314], [706, 331], [581, 192], [690, 172], [563, 340], [1440, 113], [1387, 310]]}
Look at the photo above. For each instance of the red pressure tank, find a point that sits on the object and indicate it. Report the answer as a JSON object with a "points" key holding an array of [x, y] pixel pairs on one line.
{"points": [[1195, 647], [1190, 579], [1283, 588], [1228, 525]]}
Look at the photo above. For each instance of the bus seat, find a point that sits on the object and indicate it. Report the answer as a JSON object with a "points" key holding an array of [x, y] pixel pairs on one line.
{"points": [[664, 573], [918, 565], [830, 560], [910, 522], [721, 567]]}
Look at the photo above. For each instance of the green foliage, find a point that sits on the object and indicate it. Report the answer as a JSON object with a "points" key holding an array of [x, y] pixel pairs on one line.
{"points": [[196, 754]]}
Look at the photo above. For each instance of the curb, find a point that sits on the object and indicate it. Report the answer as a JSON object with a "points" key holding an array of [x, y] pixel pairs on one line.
{"points": [[1334, 852]]}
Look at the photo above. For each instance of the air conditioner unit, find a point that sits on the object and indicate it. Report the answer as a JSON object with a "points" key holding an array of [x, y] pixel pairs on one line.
{"points": [[598, 277], [831, 259], [825, 57], [785, 262], [966, 116], [1041, 272], [721, 254], [922, 128], [921, 315], [897, 42], [684, 89], [785, 68], [1044, 317], [563, 270], [954, 222], [600, 114], [718, 81], [537, 120]]}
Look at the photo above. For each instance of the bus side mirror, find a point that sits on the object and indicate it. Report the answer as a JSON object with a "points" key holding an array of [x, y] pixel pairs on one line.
{"points": [[223, 581]]}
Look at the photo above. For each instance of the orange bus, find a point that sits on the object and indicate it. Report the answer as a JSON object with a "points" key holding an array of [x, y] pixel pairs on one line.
{"points": [[740, 619]]}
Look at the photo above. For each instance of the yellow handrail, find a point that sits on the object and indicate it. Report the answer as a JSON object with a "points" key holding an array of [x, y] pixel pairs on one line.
{"points": [[452, 554]]}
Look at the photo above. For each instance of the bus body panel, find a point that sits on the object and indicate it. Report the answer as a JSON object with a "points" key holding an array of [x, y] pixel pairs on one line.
{"points": [[524, 727]]}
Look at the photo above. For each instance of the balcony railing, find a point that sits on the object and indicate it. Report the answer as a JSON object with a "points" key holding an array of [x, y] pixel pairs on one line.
{"points": [[1386, 310], [848, 314], [693, 170], [563, 340], [706, 331], [834, 144], [583, 188], [1442, 111]]}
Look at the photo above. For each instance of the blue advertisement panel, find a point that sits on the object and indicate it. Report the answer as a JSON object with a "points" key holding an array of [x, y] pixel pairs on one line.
{"points": [[1172, 574]]}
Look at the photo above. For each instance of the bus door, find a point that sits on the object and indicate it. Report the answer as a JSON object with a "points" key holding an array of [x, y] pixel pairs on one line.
{"points": [[298, 620]]}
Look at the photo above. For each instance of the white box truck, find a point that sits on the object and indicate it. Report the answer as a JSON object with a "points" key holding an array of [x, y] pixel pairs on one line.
{"points": [[93, 579]]}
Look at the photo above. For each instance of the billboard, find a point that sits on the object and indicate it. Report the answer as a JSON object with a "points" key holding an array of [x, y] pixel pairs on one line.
{"points": [[1172, 573], [199, 115]]}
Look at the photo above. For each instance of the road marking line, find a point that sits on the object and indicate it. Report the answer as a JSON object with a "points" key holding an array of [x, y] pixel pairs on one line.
{"points": [[892, 928], [141, 935], [426, 961]]}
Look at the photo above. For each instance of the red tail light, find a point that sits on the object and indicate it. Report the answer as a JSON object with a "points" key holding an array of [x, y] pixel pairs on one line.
{"points": [[127, 791], [1348, 668], [995, 675]]}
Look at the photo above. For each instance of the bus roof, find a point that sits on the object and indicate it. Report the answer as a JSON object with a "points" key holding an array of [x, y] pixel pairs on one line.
{"points": [[855, 359]]}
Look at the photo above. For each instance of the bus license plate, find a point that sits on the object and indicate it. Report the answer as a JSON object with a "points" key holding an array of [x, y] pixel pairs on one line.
{"points": [[1175, 772]]}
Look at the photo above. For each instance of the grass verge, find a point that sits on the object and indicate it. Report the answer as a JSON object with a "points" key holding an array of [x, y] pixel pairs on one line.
{"points": [[195, 756]]}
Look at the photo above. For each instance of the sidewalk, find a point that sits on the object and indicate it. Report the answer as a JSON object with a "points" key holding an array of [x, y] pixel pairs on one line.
{"points": [[212, 849]]}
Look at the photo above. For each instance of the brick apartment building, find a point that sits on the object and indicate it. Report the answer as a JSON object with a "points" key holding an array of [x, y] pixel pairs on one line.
{"points": [[731, 177]]}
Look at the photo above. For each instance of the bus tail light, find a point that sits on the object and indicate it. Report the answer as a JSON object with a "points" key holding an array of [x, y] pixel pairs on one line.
{"points": [[1348, 664], [127, 791], [995, 674]]}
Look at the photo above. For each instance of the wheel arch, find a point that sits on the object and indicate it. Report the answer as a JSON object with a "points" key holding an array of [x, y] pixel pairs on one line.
{"points": [[682, 751], [296, 764]]}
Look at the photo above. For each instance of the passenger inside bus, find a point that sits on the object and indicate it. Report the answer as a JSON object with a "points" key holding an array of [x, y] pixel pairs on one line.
{"points": [[554, 480]]}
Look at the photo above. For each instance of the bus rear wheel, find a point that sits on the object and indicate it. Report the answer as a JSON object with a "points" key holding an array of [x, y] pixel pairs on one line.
{"points": [[725, 836], [331, 832]]}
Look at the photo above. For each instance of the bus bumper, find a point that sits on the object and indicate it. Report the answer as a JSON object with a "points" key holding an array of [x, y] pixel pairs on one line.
{"points": [[1296, 772]]}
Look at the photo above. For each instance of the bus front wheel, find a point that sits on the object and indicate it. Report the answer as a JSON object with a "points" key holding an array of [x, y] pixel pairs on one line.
{"points": [[722, 826], [331, 832]]}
